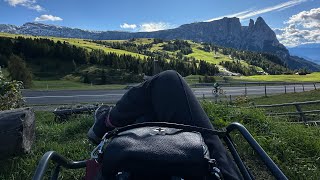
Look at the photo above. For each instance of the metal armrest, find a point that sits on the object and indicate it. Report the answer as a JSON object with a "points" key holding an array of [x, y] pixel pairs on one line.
{"points": [[59, 160], [274, 169]]}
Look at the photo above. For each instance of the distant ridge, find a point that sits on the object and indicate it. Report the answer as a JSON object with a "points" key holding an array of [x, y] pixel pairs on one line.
{"points": [[227, 32]]}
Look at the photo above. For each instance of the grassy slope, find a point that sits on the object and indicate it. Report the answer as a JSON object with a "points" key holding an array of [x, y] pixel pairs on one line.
{"points": [[313, 77], [77, 42], [71, 85]]}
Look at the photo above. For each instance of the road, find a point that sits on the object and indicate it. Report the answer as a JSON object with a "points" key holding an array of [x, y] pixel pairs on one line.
{"points": [[34, 97]]}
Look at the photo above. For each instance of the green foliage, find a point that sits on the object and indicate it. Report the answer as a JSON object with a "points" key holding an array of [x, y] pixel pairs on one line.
{"points": [[207, 79], [10, 94], [104, 75], [183, 46], [236, 66], [18, 70]]}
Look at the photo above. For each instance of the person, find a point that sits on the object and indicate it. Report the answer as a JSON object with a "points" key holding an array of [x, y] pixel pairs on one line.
{"points": [[216, 87], [166, 97]]}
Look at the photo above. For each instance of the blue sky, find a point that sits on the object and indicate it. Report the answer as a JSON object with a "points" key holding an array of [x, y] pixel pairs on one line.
{"points": [[150, 15]]}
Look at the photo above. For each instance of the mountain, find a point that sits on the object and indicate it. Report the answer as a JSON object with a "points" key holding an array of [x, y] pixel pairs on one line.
{"points": [[227, 32], [308, 51]]}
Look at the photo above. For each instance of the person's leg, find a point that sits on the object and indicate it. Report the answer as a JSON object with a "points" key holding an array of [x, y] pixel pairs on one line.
{"points": [[168, 98]]}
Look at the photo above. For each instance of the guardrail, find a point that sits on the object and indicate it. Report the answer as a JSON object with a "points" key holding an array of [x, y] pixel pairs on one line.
{"points": [[299, 111], [254, 83]]}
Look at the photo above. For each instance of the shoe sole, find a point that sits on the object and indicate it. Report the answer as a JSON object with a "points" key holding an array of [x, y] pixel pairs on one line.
{"points": [[93, 137]]}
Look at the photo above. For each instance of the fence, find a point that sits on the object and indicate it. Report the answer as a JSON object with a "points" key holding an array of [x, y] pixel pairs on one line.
{"points": [[266, 87], [299, 111]]}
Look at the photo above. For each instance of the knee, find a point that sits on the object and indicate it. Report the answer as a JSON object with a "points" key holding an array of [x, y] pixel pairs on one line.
{"points": [[169, 77], [169, 74]]}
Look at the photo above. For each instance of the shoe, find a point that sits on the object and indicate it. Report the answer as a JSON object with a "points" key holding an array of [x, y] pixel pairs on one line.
{"points": [[99, 128]]}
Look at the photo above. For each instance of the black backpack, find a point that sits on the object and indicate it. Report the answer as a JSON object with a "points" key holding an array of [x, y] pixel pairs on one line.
{"points": [[156, 150]]}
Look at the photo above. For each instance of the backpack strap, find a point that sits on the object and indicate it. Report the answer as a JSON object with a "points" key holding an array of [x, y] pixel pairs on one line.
{"points": [[220, 133]]}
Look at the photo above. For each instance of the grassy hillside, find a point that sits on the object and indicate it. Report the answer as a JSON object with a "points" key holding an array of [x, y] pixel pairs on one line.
{"points": [[198, 53], [313, 77], [77, 42]]}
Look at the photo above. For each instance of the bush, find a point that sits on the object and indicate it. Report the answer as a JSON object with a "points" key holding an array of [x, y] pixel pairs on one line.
{"points": [[207, 79], [10, 94]]}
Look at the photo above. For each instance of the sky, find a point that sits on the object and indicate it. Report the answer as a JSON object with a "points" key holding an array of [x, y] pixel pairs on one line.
{"points": [[294, 21]]}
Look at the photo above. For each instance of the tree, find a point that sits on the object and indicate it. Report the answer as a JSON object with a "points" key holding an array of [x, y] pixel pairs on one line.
{"points": [[18, 70]]}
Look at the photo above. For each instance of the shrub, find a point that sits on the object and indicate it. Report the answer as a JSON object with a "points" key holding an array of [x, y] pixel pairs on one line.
{"points": [[10, 94]]}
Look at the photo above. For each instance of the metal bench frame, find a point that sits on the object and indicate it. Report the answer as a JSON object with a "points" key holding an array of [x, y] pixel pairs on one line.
{"points": [[60, 161]]}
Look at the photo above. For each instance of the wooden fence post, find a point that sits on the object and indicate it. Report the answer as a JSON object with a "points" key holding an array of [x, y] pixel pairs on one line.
{"points": [[285, 89], [245, 89], [302, 115], [294, 88], [303, 87], [265, 90], [230, 99], [315, 87]]}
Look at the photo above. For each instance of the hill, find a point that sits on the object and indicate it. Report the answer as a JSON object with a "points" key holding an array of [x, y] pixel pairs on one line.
{"points": [[226, 32], [307, 51]]}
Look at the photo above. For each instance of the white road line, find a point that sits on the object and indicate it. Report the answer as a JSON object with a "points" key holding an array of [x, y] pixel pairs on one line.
{"points": [[99, 95]]}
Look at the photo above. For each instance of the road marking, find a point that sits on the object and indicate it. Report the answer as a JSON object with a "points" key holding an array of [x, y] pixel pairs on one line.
{"points": [[99, 95]]}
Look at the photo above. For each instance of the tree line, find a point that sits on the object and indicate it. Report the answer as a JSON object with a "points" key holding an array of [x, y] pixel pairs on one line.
{"points": [[270, 63], [42, 52]]}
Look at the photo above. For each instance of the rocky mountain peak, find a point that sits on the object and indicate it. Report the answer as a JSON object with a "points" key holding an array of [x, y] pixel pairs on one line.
{"points": [[228, 32], [251, 24]]}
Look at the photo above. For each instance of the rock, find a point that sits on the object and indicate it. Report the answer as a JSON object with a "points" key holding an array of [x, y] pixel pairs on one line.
{"points": [[17, 132]]}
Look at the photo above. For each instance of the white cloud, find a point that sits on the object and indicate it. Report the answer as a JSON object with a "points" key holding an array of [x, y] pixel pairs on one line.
{"points": [[308, 19], [31, 4], [128, 26], [251, 13], [229, 15], [154, 26], [301, 28], [47, 17]]}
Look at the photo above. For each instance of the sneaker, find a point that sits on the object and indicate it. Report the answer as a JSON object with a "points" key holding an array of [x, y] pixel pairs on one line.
{"points": [[99, 127]]}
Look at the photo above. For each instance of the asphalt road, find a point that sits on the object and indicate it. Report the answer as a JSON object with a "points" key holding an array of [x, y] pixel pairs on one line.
{"points": [[33, 97]]}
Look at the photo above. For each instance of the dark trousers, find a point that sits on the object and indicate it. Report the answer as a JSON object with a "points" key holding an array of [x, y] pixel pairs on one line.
{"points": [[167, 98]]}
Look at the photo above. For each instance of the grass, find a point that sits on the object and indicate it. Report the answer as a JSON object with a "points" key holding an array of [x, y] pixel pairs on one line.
{"points": [[290, 98], [294, 147], [78, 42], [72, 85], [207, 56], [313, 77], [67, 138]]}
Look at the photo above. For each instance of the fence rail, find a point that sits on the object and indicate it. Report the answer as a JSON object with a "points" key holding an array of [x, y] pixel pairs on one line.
{"points": [[299, 111]]}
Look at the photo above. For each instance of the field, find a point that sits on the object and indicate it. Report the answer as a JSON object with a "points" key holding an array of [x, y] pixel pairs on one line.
{"points": [[72, 85], [294, 147], [313, 77]]}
